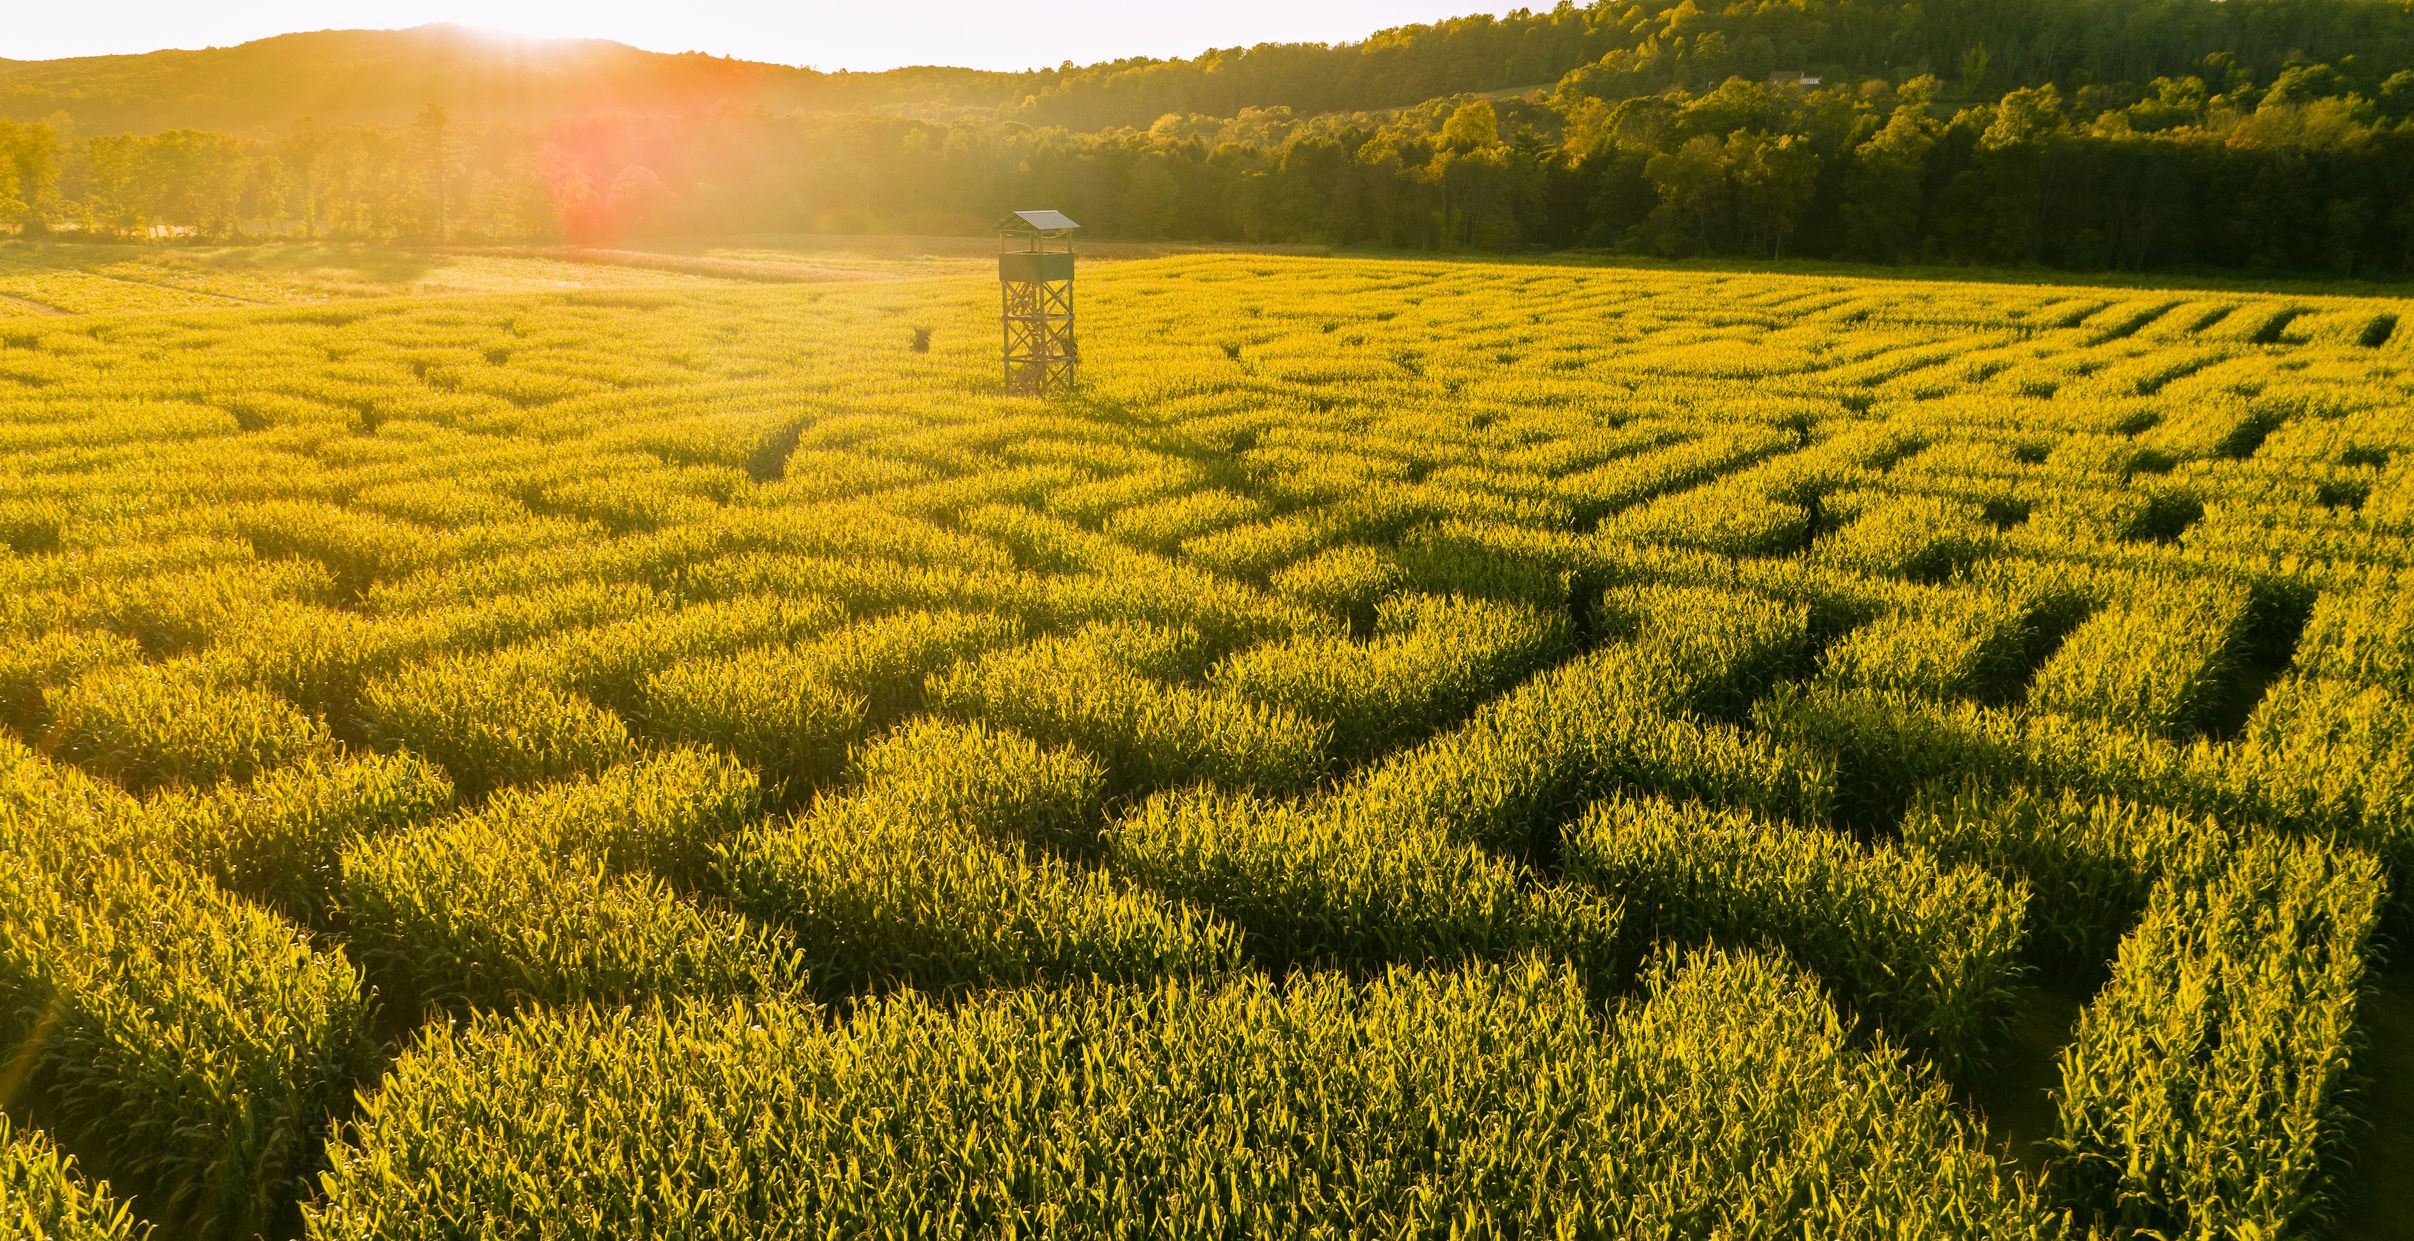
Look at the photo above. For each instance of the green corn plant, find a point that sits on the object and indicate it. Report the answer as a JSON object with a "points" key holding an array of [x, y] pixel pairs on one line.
{"points": [[951, 863], [194, 1043], [1724, 1099], [1349, 580], [2158, 663], [1954, 644], [1929, 953], [1726, 518], [34, 669], [152, 726], [1431, 661], [1147, 732], [662, 812], [2204, 1092], [1531, 758], [45, 1197], [609, 664], [522, 903], [487, 730], [1255, 550], [2089, 863], [1163, 525], [602, 669], [181, 612], [1312, 885], [1922, 537], [790, 711], [2365, 636], [280, 839]]}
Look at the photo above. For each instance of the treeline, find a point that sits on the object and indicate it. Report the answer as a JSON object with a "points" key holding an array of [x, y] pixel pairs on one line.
{"points": [[1638, 47], [2272, 178], [2246, 158]]}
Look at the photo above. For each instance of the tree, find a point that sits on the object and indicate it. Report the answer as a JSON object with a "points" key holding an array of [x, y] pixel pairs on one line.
{"points": [[638, 201], [304, 154], [1382, 161], [1884, 187], [1774, 177], [1472, 127], [1477, 200], [13, 193], [1151, 199], [29, 175], [572, 190], [2345, 223], [2397, 95], [1691, 182], [1250, 200], [2293, 154], [2001, 199], [432, 134]]}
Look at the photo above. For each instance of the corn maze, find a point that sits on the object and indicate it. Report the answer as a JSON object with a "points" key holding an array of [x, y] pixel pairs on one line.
{"points": [[1411, 749]]}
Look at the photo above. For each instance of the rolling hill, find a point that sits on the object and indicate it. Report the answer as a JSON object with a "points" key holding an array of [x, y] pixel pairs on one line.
{"points": [[383, 77]]}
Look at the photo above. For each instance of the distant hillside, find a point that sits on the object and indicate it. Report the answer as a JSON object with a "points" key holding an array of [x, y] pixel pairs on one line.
{"points": [[383, 77], [1615, 48]]}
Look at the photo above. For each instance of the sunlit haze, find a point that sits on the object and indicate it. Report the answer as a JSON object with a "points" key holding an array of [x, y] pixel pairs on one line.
{"points": [[819, 34]]}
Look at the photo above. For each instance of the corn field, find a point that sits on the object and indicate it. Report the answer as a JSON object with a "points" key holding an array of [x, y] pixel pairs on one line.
{"points": [[1407, 748]]}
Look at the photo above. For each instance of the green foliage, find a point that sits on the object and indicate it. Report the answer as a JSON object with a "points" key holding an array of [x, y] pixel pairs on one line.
{"points": [[543, 896], [2157, 663], [1164, 525], [789, 712], [488, 731], [191, 1042], [1708, 651], [1350, 580], [174, 613], [2204, 1094], [1184, 1109], [1321, 884], [152, 726], [792, 732], [663, 812], [1431, 661], [2088, 862], [280, 840], [607, 673], [1531, 758], [1258, 549], [1950, 645], [2360, 635], [35, 669], [43, 1197], [1929, 953], [1148, 733], [609, 664], [952, 863], [1921, 537]]}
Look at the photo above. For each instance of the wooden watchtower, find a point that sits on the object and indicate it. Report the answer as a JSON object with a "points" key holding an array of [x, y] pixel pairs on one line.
{"points": [[1035, 274]]}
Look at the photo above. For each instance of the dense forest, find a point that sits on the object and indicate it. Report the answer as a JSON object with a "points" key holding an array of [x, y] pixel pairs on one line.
{"points": [[2269, 135]]}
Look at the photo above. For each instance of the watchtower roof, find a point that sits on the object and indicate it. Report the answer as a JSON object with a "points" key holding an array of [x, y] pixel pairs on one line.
{"points": [[1044, 223]]}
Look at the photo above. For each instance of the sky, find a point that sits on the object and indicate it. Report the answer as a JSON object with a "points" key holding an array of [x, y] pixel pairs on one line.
{"points": [[864, 34]]}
